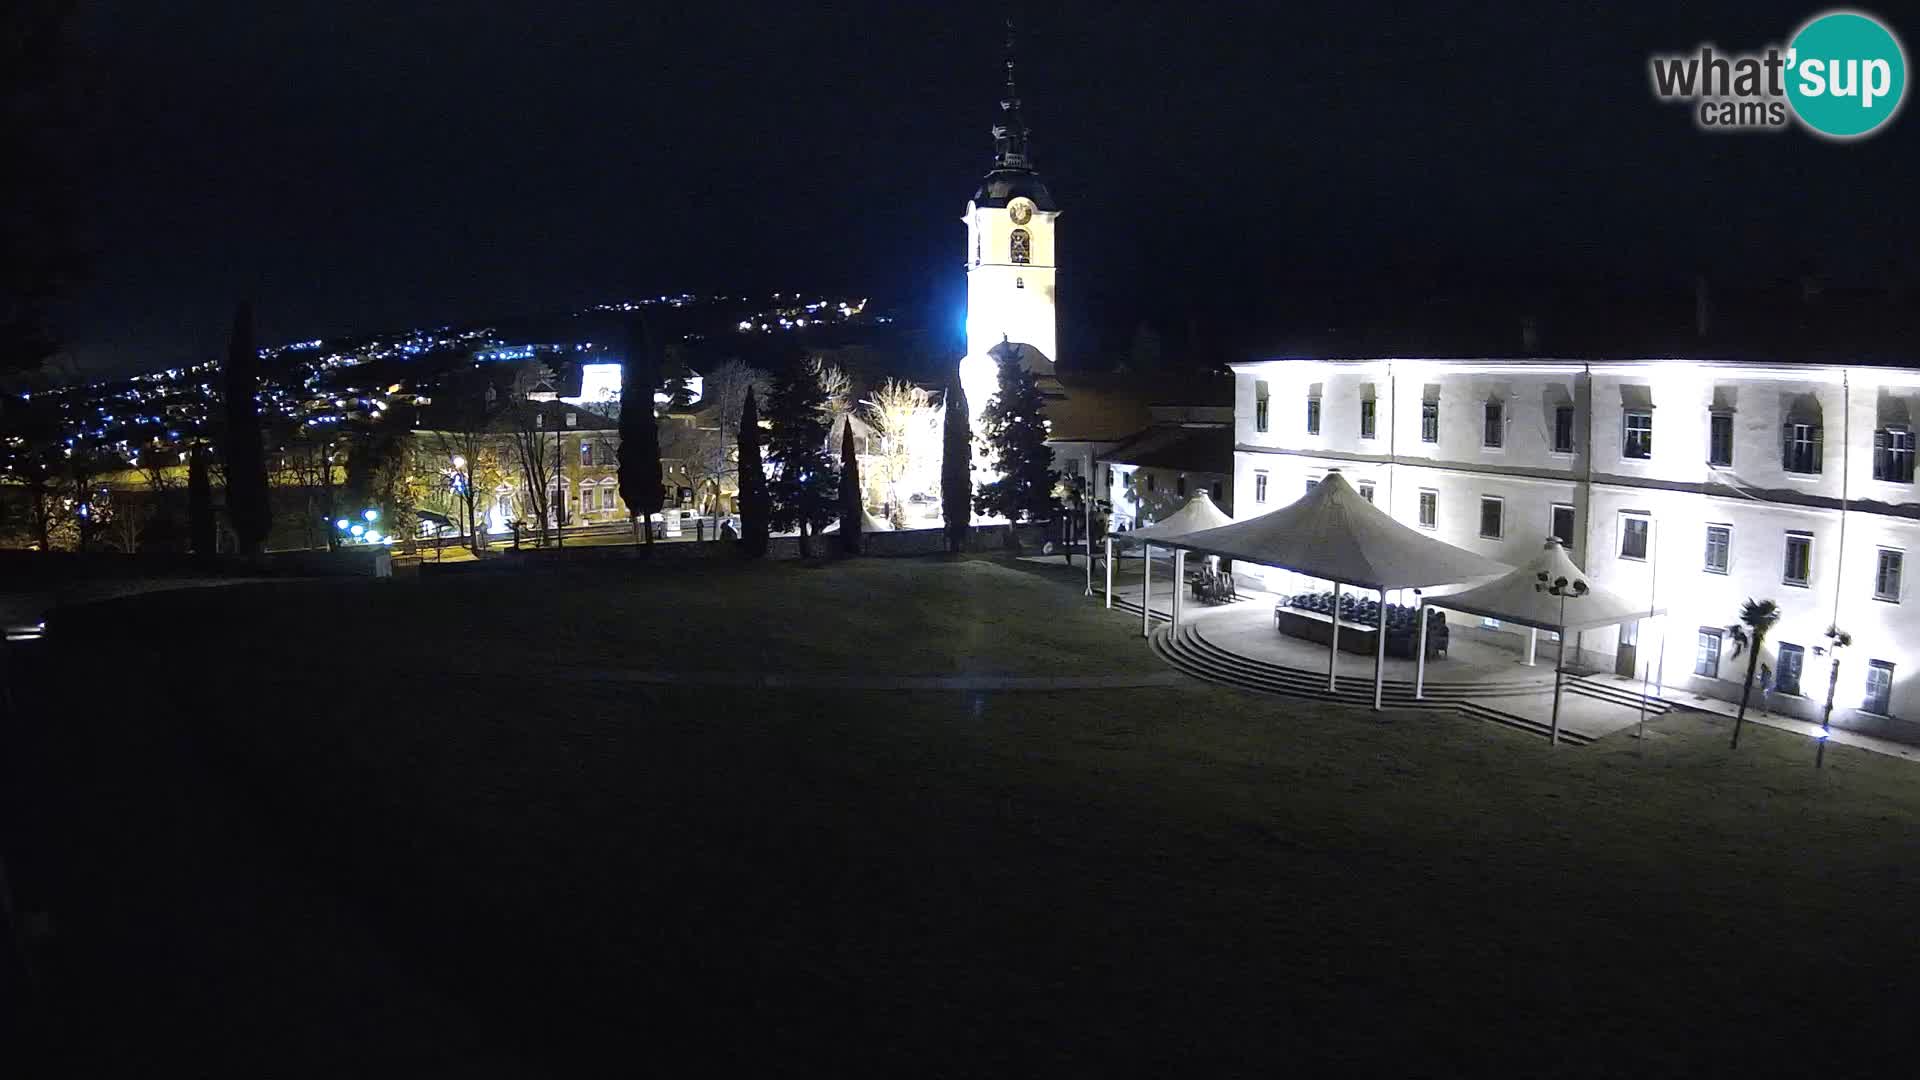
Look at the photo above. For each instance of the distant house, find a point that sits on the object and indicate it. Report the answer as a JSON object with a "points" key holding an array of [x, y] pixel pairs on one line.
{"points": [[1187, 450], [583, 442]]}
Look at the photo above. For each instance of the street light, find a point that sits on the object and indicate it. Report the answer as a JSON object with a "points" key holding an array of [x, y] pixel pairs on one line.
{"points": [[1563, 589], [466, 492]]}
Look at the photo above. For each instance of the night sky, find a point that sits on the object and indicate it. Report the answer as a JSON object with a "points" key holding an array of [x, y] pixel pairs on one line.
{"points": [[370, 165]]}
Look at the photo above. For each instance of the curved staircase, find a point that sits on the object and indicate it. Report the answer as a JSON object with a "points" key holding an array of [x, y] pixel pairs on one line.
{"points": [[1189, 651]]}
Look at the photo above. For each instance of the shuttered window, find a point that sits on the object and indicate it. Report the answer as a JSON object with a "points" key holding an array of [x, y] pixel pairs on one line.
{"points": [[1800, 449], [1893, 455]]}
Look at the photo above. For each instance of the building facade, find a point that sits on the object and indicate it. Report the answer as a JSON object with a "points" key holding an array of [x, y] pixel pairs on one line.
{"points": [[1187, 450], [1695, 485], [580, 455]]}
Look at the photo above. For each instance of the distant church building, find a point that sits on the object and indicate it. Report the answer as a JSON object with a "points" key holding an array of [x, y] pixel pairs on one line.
{"points": [[1173, 434], [1010, 260]]}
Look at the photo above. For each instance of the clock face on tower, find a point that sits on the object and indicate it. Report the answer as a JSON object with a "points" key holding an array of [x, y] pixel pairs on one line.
{"points": [[1021, 211]]}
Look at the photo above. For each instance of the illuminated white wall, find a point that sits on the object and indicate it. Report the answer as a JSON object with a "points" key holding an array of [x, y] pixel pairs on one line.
{"points": [[1007, 300], [600, 383], [1675, 486]]}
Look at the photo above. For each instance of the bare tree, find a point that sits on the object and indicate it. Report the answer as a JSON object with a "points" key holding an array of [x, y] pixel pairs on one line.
{"points": [[837, 390], [909, 425], [527, 426], [713, 456], [124, 518], [87, 462], [463, 444], [307, 462]]}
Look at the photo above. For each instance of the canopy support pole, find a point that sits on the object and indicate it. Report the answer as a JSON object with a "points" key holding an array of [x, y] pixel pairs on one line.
{"points": [[1660, 677], [1333, 646], [1109, 573], [1533, 644], [1146, 590], [1179, 581], [1647, 673], [1380, 651], [1420, 652]]}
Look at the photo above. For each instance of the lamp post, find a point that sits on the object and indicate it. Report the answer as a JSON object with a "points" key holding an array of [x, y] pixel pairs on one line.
{"points": [[1837, 639], [466, 493], [1562, 588]]}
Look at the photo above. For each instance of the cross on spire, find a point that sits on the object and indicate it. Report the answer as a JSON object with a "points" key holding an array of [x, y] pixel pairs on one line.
{"points": [[1010, 131]]}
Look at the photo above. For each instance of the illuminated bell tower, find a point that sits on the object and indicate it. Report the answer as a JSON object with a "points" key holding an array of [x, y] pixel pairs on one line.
{"points": [[1010, 257]]}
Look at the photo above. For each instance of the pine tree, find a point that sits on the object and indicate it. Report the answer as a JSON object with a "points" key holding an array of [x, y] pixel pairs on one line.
{"points": [[641, 483], [849, 493], [755, 510], [1015, 426], [200, 503], [247, 500], [803, 484], [956, 469]]}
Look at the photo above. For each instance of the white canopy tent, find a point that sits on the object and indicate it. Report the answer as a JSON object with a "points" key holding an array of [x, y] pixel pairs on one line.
{"points": [[1548, 593], [1333, 534], [1198, 513]]}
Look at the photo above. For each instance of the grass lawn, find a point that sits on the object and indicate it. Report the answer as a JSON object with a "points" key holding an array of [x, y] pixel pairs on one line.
{"points": [[439, 836]]}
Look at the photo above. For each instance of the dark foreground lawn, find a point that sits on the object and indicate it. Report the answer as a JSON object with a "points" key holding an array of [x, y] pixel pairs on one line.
{"points": [[422, 828]]}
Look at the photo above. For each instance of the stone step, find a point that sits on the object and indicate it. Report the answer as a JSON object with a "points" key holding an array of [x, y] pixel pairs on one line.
{"points": [[1204, 669], [1616, 695], [1433, 689], [1189, 652]]}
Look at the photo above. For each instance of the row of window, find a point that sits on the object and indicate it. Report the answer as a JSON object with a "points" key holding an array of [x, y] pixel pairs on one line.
{"points": [[1801, 443], [1797, 567], [1636, 533], [1217, 489], [1493, 420], [1790, 659], [1796, 563], [1493, 517], [607, 498]]}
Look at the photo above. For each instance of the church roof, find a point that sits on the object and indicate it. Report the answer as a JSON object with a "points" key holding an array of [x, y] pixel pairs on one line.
{"points": [[1002, 186], [1103, 407], [1163, 446]]}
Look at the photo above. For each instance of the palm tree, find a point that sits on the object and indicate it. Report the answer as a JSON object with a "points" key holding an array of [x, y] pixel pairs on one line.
{"points": [[1756, 618], [1837, 639]]}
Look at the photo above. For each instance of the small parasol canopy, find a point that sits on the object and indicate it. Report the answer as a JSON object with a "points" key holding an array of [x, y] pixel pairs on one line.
{"points": [[1521, 597], [1199, 513]]}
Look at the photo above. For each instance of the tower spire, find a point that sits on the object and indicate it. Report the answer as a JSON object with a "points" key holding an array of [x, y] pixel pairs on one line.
{"points": [[1010, 131]]}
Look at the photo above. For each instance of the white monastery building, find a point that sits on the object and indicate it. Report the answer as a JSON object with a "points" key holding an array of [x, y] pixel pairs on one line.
{"points": [[1694, 485]]}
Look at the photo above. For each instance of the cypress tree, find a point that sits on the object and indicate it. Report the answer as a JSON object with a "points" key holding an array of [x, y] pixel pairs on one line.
{"points": [[754, 504], [1016, 429], [247, 501], [641, 483], [200, 503], [849, 493], [956, 469], [803, 484]]}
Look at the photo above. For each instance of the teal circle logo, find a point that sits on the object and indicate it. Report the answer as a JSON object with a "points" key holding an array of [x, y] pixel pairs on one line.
{"points": [[1846, 74]]}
